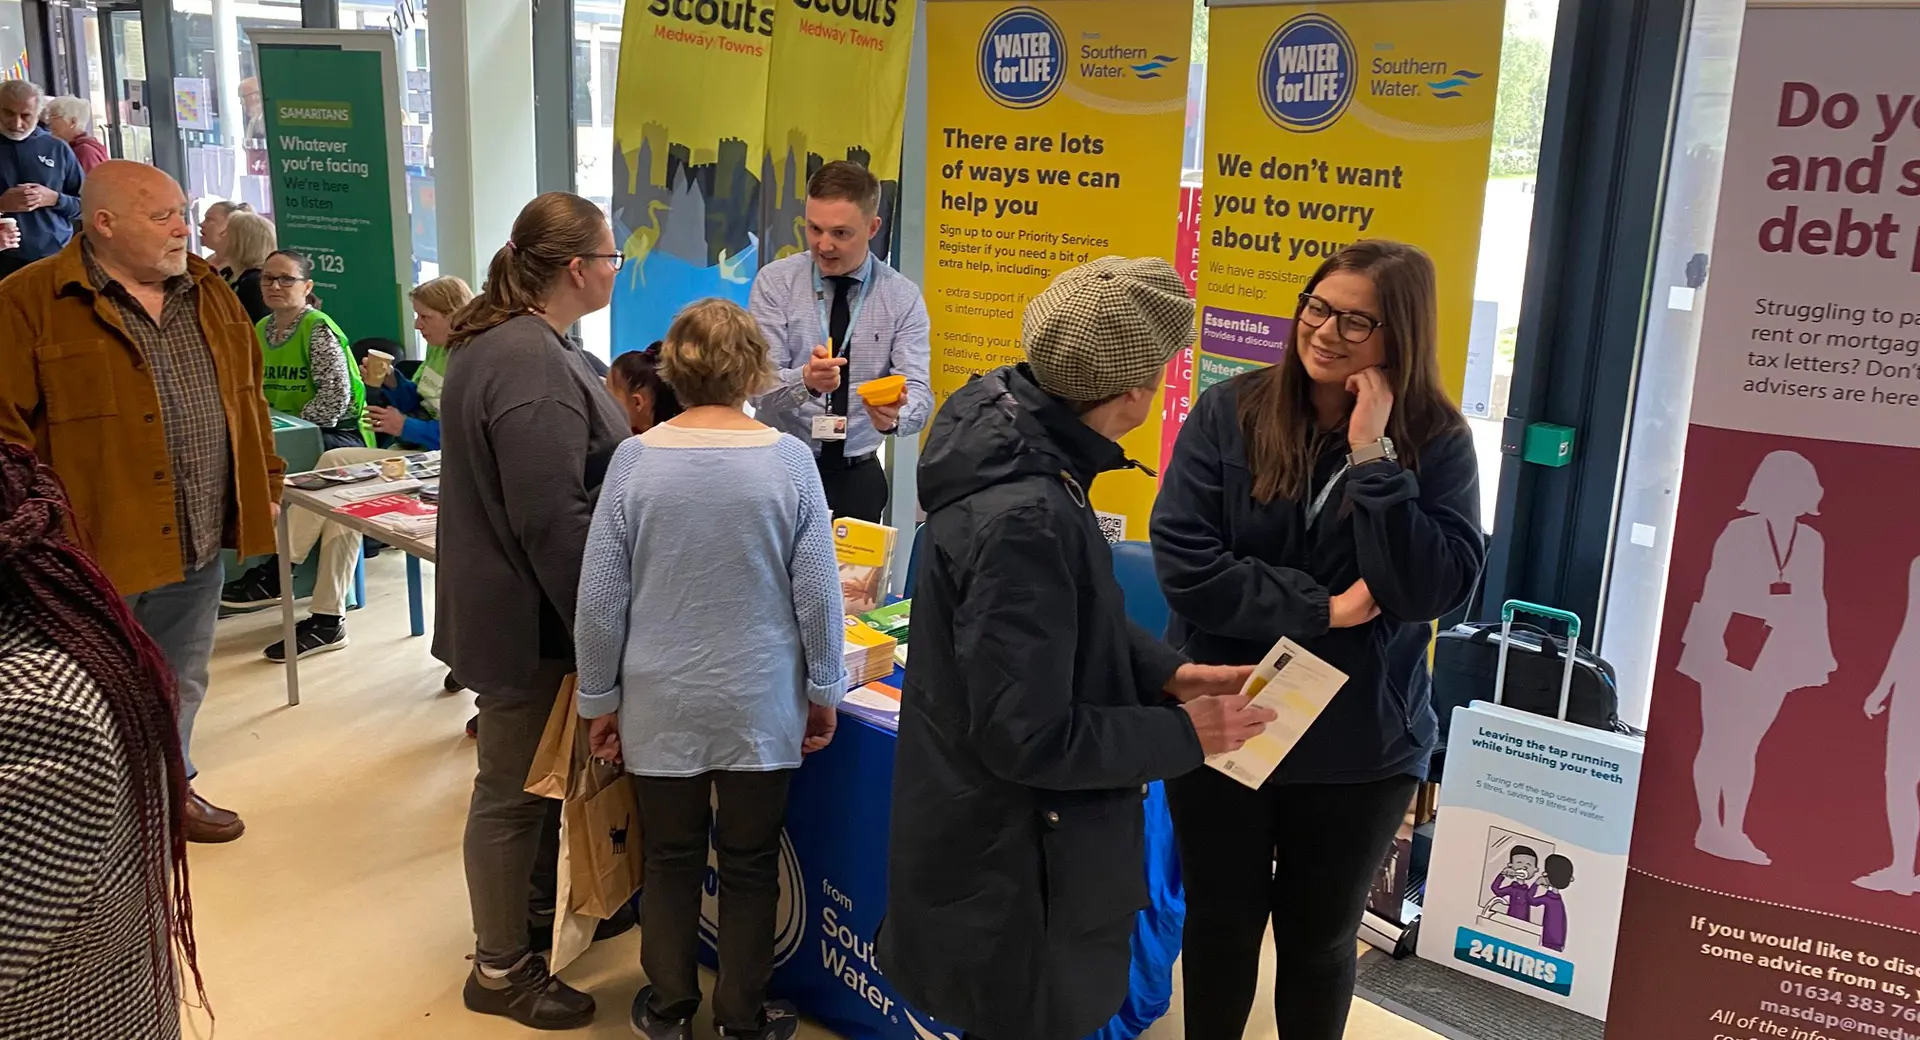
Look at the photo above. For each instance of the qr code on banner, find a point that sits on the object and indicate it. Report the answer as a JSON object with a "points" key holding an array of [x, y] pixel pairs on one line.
{"points": [[1113, 526]]}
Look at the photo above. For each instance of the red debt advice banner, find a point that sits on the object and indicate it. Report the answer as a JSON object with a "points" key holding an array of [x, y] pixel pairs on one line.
{"points": [[1771, 888]]}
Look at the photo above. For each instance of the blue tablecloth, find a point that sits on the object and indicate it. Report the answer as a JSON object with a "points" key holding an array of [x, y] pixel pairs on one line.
{"points": [[833, 893]]}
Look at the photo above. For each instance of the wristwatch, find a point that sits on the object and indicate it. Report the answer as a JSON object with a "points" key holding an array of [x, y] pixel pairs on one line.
{"points": [[1380, 449]]}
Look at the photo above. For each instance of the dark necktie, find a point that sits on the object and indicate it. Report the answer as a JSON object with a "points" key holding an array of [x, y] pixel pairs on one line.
{"points": [[835, 452]]}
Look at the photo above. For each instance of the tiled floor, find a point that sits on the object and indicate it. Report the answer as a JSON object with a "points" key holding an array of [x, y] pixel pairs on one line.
{"points": [[342, 913]]}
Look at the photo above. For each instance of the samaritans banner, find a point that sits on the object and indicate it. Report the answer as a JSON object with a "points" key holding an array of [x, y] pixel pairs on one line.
{"points": [[1053, 138], [332, 119], [1332, 122], [709, 183], [811, 120]]}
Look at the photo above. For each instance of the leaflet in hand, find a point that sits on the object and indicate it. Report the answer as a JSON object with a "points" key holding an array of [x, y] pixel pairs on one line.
{"points": [[1296, 686]]}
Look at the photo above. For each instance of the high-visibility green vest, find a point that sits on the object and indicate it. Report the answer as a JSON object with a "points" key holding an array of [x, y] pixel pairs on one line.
{"points": [[432, 379], [288, 381]]}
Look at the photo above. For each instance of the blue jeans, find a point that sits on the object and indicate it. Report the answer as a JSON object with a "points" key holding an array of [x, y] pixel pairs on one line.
{"points": [[180, 617]]}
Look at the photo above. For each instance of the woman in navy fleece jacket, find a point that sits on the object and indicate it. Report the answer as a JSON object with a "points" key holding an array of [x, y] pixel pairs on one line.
{"points": [[1333, 498]]}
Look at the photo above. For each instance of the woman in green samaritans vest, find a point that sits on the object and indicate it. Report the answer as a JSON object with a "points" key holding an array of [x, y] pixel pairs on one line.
{"points": [[309, 372]]}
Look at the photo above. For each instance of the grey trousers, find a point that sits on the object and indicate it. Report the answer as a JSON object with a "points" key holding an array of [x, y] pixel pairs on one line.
{"points": [[505, 825], [180, 618]]}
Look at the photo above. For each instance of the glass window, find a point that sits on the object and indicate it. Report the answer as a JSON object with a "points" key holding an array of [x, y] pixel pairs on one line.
{"points": [[582, 85], [13, 41], [217, 97], [408, 23], [1663, 388], [1506, 224], [596, 35]]}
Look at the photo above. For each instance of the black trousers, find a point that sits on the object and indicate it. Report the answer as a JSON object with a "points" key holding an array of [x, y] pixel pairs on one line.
{"points": [[858, 491], [676, 817], [1301, 855]]}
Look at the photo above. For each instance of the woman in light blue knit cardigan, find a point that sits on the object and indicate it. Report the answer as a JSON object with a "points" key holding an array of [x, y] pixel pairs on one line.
{"points": [[709, 643]]}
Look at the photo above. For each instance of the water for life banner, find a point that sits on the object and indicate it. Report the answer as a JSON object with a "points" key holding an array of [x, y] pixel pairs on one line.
{"points": [[1333, 122], [1771, 889], [1053, 138], [709, 184], [331, 115]]}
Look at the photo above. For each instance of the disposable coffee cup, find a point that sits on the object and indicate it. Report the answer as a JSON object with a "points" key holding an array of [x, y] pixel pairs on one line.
{"points": [[379, 363], [11, 227], [393, 469]]}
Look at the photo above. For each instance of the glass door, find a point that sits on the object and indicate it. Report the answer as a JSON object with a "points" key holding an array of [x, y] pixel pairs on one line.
{"points": [[129, 128]]}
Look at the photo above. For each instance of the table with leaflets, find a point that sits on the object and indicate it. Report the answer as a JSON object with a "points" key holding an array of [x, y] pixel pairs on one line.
{"points": [[361, 499]]}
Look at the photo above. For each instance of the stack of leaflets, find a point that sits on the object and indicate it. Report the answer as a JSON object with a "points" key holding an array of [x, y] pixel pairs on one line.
{"points": [[892, 621], [865, 552], [869, 654], [402, 514]]}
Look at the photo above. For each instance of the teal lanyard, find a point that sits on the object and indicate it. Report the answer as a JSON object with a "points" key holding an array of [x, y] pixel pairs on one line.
{"points": [[1320, 500]]}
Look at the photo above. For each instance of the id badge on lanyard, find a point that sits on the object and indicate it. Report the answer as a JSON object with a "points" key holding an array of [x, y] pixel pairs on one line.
{"points": [[828, 426]]}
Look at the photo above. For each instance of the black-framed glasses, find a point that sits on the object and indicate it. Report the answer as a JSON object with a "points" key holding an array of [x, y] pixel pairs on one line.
{"points": [[281, 281], [614, 260], [1353, 326]]}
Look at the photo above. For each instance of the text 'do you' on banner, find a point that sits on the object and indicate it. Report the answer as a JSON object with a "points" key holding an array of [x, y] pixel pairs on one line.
{"points": [[331, 107], [837, 90], [1053, 138], [1771, 888], [710, 183], [1329, 123]]}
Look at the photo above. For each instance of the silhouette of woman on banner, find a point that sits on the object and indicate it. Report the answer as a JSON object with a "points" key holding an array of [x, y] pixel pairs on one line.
{"points": [[1758, 633], [1900, 684]]}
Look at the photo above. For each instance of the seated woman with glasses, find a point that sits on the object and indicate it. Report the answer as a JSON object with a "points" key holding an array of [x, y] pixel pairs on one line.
{"points": [[309, 371], [1332, 498]]}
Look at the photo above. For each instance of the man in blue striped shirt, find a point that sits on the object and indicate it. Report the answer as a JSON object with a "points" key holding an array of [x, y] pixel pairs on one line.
{"points": [[835, 317]]}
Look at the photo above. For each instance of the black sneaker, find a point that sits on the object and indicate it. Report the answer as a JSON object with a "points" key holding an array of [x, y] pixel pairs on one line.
{"points": [[779, 1020], [654, 1027], [529, 996], [315, 635], [257, 589]]}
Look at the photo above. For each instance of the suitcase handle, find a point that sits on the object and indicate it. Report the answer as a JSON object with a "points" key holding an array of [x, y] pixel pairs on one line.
{"points": [[1516, 606]]}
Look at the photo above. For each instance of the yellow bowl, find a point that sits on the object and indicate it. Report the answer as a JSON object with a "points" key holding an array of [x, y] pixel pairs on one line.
{"points": [[884, 391]]}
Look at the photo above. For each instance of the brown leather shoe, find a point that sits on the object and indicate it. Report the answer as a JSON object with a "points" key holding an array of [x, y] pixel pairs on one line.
{"points": [[209, 824]]}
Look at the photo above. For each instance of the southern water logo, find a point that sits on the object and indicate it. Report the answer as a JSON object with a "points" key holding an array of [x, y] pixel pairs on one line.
{"points": [[1101, 60], [1022, 56], [1307, 74], [1451, 86], [1150, 69], [789, 920]]}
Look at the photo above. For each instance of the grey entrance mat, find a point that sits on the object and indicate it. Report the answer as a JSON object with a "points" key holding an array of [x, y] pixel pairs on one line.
{"points": [[1462, 1007]]}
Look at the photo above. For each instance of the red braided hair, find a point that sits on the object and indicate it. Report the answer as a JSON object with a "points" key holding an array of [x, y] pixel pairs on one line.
{"points": [[67, 598]]}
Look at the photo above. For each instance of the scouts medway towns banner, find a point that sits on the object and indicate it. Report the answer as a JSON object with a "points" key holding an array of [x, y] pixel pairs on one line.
{"points": [[812, 120], [1332, 122], [1053, 138], [710, 183], [1771, 888], [686, 158]]}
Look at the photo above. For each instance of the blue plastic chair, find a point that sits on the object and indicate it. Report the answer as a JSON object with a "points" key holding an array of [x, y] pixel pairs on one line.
{"points": [[1133, 568]]}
